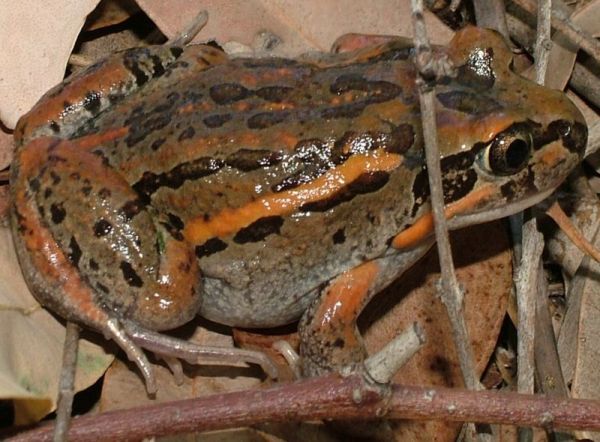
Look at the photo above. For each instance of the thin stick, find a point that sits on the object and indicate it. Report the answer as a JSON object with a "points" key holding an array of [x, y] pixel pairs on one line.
{"points": [[573, 233], [572, 33], [328, 397], [66, 389], [448, 288], [450, 291], [533, 243], [543, 40], [533, 246]]}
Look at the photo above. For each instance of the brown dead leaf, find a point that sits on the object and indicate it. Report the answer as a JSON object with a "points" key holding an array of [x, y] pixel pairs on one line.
{"points": [[563, 54], [301, 26], [37, 39], [110, 12], [31, 346], [484, 270], [578, 343], [6, 148], [4, 205]]}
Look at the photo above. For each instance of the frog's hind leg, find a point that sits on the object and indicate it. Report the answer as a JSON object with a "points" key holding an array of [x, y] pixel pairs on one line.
{"points": [[93, 253], [91, 91]]}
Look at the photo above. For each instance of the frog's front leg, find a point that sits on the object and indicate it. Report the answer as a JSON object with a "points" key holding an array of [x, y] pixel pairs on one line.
{"points": [[329, 337]]}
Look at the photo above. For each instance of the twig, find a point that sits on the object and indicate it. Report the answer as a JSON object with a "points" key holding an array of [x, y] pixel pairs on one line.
{"points": [[586, 83], [571, 32], [383, 365], [451, 293], [533, 243], [533, 246], [572, 232], [329, 397], [448, 287], [547, 362], [66, 390], [543, 40]]}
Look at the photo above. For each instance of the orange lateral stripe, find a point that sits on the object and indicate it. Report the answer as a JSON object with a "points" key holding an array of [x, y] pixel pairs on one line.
{"points": [[423, 226], [228, 221]]}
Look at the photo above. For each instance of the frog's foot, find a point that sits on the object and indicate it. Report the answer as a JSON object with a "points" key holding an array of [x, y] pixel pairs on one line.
{"points": [[114, 331], [174, 348], [133, 338], [329, 338]]}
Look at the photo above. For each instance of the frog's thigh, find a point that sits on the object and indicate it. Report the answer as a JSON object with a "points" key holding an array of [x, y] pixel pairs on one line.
{"points": [[91, 91], [329, 336], [90, 238]]}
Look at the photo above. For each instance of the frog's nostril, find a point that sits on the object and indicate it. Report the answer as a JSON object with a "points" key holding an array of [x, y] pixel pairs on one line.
{"points": [[576, 139]]}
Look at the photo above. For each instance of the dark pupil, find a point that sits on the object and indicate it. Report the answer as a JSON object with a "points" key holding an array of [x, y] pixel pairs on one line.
{"points": [[516, 154]]}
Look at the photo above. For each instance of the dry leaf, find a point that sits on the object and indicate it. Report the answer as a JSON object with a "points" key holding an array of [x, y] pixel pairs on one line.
{"points": [[578, 343], [484, 270], [31, 346], [111, 12], [6, 148], [562, 55], [301, 26], [33, 64]]}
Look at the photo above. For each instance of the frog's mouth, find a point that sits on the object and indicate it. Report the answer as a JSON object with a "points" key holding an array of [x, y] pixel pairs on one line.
{"points": [[462, 220]]}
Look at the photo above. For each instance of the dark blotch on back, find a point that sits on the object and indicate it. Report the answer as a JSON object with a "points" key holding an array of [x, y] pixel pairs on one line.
{"points": [[365, 183], [249, 159], [214, 121], [468, 102], [259, 230], [198, 168], [339, 237], [130, 275], [102, 228], [131, 208], [187, 133], [57, 213], [211, 246], [420, 190], [92, 102], [131, 62], [264, 120], [228, 93], [175, 221], [74, 252], [157, 143], [400, 139], [276, 94], [379, 91]]}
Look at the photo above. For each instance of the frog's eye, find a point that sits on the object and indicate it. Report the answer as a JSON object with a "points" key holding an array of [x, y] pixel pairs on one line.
{"points": [[508, 153]]}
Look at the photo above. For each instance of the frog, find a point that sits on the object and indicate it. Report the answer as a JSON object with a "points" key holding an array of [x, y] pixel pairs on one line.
{"points": [[167, 182]]}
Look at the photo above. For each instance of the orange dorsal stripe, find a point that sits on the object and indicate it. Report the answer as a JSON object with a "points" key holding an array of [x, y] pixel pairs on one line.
{"points": [[423, 226], [228, 221]]}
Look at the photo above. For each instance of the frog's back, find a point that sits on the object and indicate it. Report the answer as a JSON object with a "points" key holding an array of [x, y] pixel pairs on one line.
{"points": [[218, 150]]}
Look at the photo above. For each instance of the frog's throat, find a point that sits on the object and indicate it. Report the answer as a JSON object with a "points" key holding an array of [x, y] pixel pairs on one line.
{"points": [[469, 219]]}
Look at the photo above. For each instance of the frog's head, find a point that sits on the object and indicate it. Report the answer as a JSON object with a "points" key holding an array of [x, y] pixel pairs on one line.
{"points": [[506, 142]]}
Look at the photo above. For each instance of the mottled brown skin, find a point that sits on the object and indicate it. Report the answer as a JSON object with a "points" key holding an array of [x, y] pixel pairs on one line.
{"points": [[277, 180]]}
